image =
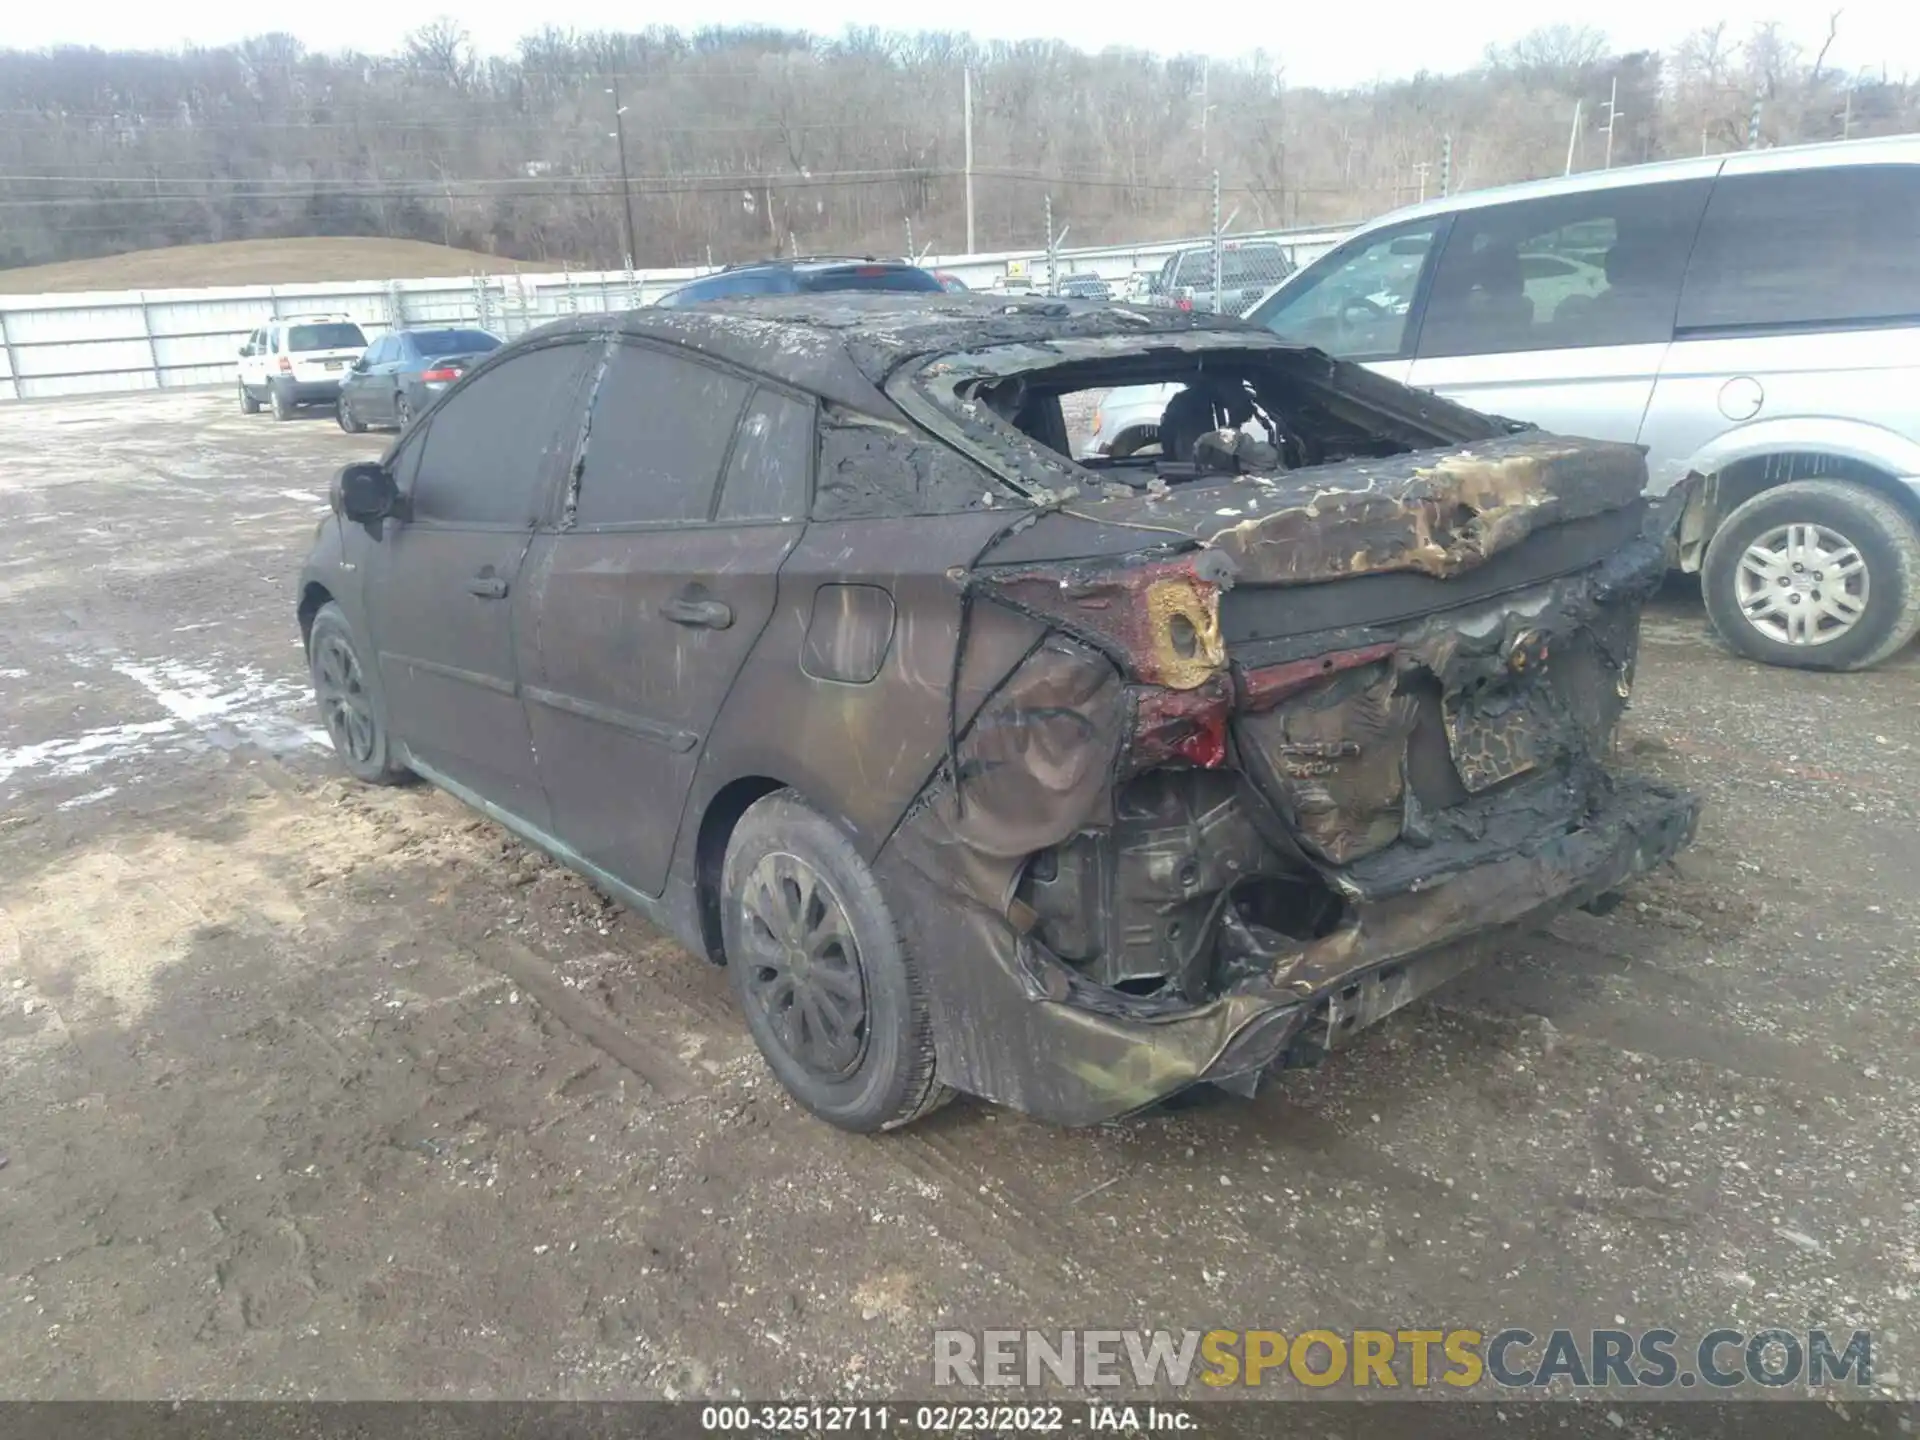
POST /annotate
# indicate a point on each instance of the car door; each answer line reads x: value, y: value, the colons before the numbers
x: 253, y: 364
x: 1361, y: 301
x: 1801, y: 306
x: 357, y: 387
x: 648, y: 595
x: 1510, y: 328
x: 443, y: 581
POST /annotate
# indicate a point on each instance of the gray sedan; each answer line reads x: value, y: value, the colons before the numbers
x: 401, y: 373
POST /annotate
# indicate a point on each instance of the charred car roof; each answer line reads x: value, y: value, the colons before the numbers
x: 842, y: 346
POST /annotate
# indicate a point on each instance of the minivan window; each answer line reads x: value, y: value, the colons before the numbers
x: 491, y: 442
x: 656, y: 438
x: 338, y: 336
x: 1355, y: 303
x: 1599, y: 267
x: 1807, y: 247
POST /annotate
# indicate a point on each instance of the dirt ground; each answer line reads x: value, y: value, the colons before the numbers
x: 309, y: 1089
x: 257, y: 262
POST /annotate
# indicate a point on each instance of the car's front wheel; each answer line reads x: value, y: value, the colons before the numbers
x: 349, y: 422
x: 1816, y: 575
x: 350, y: 704
x: 248, y: 405
x: 832, y: 996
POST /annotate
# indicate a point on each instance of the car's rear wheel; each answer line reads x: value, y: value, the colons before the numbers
x: 282, y: 402
x: 248, y: 405
x: 833, y: 997
x: 350, y: 704
x: 1815, y: 575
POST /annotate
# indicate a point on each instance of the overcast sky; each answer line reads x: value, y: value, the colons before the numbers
x: 1327, y: 44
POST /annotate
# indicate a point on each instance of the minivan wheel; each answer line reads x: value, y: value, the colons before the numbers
x: 248, y: 405
x: 350, y: 706
x: 832, y: 996
x: 1816, y: 575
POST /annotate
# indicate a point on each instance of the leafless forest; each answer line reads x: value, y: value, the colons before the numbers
x: 743, y: 142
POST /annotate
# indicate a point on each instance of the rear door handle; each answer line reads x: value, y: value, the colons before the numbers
x: 707, y: 614
x: 488, y: 586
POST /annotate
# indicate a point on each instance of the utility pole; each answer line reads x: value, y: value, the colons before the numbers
x: 620, y: 139
x: 1206, y: 73
x: 1613, y: 117
x: 1573, y: 138
x: 1053, y: 285
x: 1420, y: 168
x: 1846, y: 118
x: 966, y: 120
x: 1753, y: 126
x: 909, y: 239
x: 1446, y: 165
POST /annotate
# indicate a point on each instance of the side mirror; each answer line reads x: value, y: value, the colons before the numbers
x: 364, y: 492
x: 359, y: 367
x: 245, y: 350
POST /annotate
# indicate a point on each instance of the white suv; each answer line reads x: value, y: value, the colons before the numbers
x: 1752, y: 318
x: 297, y: 360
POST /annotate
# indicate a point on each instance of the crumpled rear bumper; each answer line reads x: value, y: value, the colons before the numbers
x: 1016, y: 1025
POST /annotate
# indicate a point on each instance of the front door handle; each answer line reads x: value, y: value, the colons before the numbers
x: 707, y: 614
x: 488, y: 586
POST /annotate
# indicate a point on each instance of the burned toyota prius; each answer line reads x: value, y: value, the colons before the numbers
x: 791, y: 623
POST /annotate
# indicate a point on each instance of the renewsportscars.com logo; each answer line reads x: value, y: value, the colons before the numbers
x: 1416, y: 1359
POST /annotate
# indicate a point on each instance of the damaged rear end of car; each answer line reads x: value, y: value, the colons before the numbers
x: 1326, y: 687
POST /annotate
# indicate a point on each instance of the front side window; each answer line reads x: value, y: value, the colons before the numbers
x: 1601, y: 267
x: 1807, y: 247
x: 495, y: 440
x: 656, y: 438
x: 1355, y: 302
x: 331, y: 336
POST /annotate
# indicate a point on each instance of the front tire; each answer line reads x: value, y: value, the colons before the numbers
x: 282, y: 403
x: 248, y: 405
x: 350, y: 703
x: 832, y: 996
x: 349, y: 422
x: 1815, y: 575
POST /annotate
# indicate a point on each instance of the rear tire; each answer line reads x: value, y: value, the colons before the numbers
x: 1815, y: 575
x: 283, y: 406
x: 248, y: 405
x: 351, y: 705
x: 834, y: 999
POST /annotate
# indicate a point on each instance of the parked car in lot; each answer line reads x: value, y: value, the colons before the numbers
x: 804, y: 277
x: 297, y: 360
x: 1085, y: 286
x: 1753, y: 318
x: 952, y: 284
x: 1248, y: 270
x: 792, y: 625
x: 401, y: 373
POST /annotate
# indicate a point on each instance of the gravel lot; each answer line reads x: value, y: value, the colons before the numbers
x: 311, y: 1089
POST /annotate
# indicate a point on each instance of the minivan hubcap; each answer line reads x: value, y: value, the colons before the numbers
x: 802, y: 965
x: 1802, y: 584
x: 344, y: 703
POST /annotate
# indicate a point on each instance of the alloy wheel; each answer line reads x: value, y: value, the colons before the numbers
x: 345, y: 706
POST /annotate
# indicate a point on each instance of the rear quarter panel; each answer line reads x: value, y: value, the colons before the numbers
x: 861, y: 752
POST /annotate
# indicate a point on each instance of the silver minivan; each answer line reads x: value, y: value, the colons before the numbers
x: 1754, y: 318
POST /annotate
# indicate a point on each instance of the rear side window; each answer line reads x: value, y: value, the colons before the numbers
x: 1807, y: 247
x: 1598, y: 268
x: 493, y: 442
x: 767, y: 473
x: 325, y: 337
x: 656, y: 439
